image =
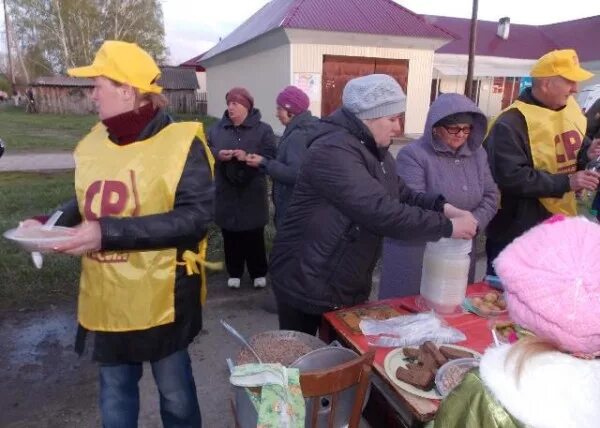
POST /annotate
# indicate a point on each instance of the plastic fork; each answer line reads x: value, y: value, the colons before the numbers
x: 36, y: 256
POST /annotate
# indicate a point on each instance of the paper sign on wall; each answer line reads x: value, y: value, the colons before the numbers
x: 310, y: 83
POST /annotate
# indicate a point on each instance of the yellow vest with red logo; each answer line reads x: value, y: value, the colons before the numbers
x: 555, y: 138
x: 132, y: 290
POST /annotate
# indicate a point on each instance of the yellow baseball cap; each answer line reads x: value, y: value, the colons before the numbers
x: 124, y: 63
x: 562, y: 63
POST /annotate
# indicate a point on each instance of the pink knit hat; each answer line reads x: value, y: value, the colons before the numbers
x: 293, y: 100
x: 551, y: 275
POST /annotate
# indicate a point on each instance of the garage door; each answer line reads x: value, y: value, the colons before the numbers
x: 337, y: 70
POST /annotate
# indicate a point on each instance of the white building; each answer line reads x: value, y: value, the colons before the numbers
x: 318, y: 45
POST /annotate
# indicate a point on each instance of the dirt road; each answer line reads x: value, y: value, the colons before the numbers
x: 44, y: 383
x: 36, y: 161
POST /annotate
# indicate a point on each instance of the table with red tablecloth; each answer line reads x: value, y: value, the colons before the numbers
x: 408, y: 409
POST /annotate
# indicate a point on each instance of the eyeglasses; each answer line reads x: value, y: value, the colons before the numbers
x: 454, y: 130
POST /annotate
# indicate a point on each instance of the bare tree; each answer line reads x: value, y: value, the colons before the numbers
x: 58, y: 34
x: 19, y: 56
x: 62, y: 34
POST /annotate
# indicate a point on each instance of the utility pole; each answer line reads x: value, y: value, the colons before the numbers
x: 469, y: 89
x: 11, y: 75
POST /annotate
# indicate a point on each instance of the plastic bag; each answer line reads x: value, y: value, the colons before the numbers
x: 409, y: 330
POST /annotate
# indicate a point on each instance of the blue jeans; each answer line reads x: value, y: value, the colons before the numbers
x: 120, y: 397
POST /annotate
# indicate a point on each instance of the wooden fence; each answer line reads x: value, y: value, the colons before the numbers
x: 187, y: 101
x: 64, y: 99
x: 77, y: 100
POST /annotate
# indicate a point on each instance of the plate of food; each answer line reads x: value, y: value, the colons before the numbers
x: 452, y: 373
x: 490, y: 304
x: 508, y: 331
x: 414, y: 368
x: 36, y: 238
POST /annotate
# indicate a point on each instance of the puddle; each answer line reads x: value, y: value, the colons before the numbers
x: 28, y: 338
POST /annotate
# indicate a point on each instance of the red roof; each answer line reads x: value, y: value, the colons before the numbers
x: 583, y: 35
x: 352, y: 16
x: 386, y: 17
x: 524, y: 41
x: 194, y: 62
x: 361, y: 16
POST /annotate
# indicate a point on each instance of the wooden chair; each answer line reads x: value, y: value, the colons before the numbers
x: 330, y: 382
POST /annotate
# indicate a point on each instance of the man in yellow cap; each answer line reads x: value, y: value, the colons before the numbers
x: 144, y: 199
x: 537, y: 151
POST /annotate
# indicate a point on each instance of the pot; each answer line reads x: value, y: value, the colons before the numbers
x: 246, y: 414
x: 319, y: 358
x: 270, y: 346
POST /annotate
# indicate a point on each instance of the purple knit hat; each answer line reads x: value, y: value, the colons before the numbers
x: 552, y: 282
x: 293, y: 100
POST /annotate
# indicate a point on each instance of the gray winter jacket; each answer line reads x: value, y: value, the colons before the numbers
x: 241, y: 191
x: 347, y: 197
x: 463, y: 177
x: 290, y: 154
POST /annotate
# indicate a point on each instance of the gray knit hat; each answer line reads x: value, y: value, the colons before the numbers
x: 374, y: 96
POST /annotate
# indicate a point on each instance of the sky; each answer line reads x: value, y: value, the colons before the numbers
x: 194, y: 26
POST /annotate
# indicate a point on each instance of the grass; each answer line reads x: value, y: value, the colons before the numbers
x: 23, y: 195
x: 42, y: 132
x: 208, y: 121
x: 21, y: 284
x: 51, y: 132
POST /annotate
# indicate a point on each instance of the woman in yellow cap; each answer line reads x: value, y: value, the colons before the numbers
x: 144, y: 195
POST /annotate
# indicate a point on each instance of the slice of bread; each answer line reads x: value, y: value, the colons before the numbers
x: 411, y: 353
x: 439, y: 358
x: 427, y: 359
x: 411, y: 366
x: 419, y: 377
x: 453, y: 354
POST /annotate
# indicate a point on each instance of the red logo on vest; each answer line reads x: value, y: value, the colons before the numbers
x: 114, y: 196
x: 570, y: 142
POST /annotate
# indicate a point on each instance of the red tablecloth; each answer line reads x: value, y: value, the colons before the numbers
x: 475, y: 328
